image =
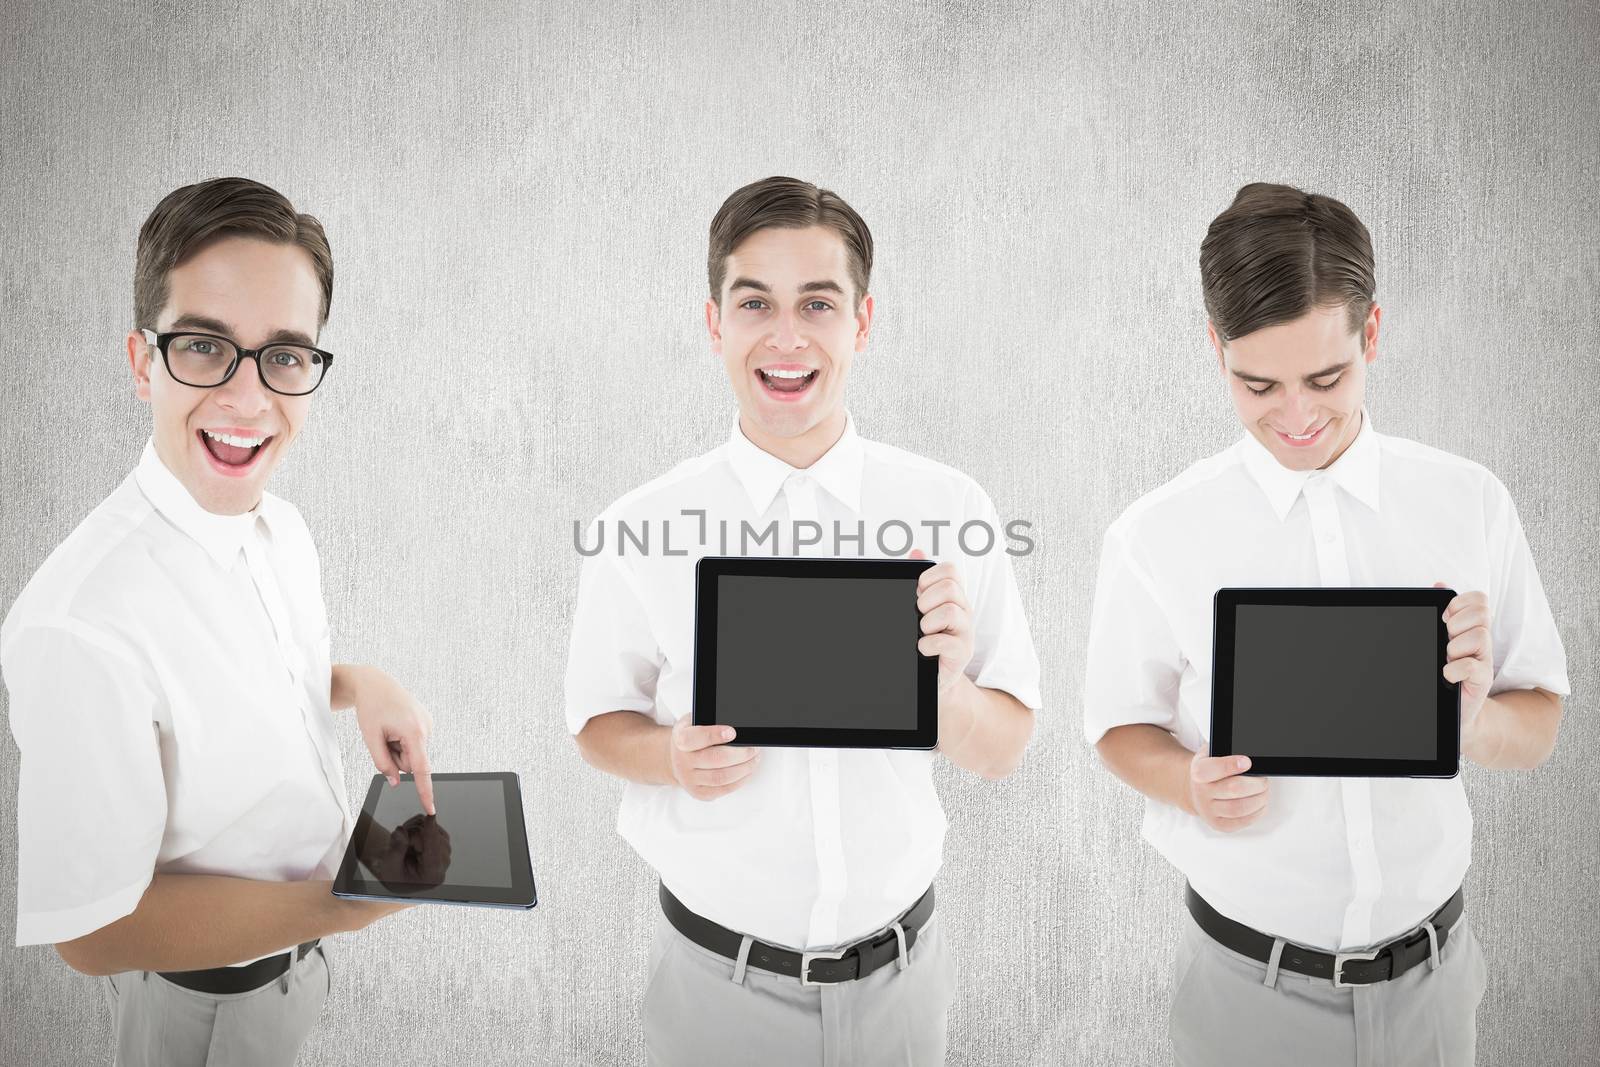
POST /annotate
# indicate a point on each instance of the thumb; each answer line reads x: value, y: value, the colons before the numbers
x: 382, y: 758
x: 917, y: 553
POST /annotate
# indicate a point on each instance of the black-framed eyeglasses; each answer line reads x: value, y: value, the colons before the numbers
x: 205, y: 361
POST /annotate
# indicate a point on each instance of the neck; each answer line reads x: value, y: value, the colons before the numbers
x: 802, y: 451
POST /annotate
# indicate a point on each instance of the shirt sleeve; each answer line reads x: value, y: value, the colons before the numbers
x: 613, y: 659
x: 91, y: 797
x: 1134, y: 661
x: 1527, y: 648
x: 1003, y: 656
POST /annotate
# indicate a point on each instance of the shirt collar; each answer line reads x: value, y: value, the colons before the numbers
x: 222, y: 536
x: 1356, y: 471
x: 762, y: 474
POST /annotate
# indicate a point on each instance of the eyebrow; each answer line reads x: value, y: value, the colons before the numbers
x: 210, y: 325
x: 1323, y: 373
x: 809, y: 287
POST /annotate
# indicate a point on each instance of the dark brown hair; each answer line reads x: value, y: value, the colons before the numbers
x: 1278, y: 252
x: 189, y: 218
x: 786, y: 203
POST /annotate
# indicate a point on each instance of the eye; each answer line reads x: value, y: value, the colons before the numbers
x: 1325, y: 386
x: 819, y: 305
x: 1263, y: 391
x: 201, y: 347
x: 285, y: 357
x: 753, y: 304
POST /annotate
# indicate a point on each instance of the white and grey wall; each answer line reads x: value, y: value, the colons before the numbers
x: 517, y: 196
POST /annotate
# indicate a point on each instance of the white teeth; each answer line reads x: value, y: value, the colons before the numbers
x: 1301, y: 436
x: 789, y: 375
x: 236, y: 442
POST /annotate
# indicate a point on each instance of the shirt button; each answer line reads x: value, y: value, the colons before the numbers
x: 1327, y: 537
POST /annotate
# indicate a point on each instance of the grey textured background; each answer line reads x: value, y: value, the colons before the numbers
x: 517, y: 199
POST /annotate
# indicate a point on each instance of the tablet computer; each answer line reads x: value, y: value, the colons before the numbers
x: 814, y: 652
x: 473, y: 850
x: 1334, y: 681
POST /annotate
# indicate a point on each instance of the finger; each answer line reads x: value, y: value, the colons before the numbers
x: 713, y: 792
x: 421, y: 770
x: 1216, y: 768
x: 382, y: 758
x: 1239, y: 807
x: 1473, y: 642
x: 722, y: 756
x: 715, y: 776
x: 1239, y: 785
x: 1459, y: 670
x: 1228, y: 826
x: 1463, y: 601
x: 945, y: 590
x: 938, y: 644
x: 934, y: 574
x: 1466, y: 619
x: 916, y: 553
x: 950, y: 618
x: 694, y: 738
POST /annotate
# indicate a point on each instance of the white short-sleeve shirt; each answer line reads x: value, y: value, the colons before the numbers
x: 1333, y: 863
x: 169, y: 674
x: 819, y: 846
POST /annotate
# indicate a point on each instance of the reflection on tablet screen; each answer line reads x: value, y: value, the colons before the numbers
x: 408, y: 850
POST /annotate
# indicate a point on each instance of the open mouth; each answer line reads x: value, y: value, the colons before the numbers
x: 232, y: 454
x: 786, y: 382
x: 1301, y: 440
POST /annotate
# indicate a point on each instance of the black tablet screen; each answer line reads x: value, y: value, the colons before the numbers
x: 827, y: 653
x: 1336, y: 681
x: 469, y: 828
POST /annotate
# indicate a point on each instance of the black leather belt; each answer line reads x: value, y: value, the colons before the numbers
x: 812, y: 968
x: 220, y: 981
x: 1387, y: 961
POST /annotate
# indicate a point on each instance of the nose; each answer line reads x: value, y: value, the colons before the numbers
x: 244, y: 394
x: 1299, y: 411
x: 785, y: 337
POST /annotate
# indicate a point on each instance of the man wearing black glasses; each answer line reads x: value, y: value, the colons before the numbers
x: 181, y: 803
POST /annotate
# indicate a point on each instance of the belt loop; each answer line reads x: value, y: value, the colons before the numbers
x: 903, y: 960
x: 1433, y: 945
x: 144, y: 976
x: 744, y: 958
x: 1271, y: 981
x: 288, y: 973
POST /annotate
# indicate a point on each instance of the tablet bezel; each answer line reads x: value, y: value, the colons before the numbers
x: 1447, y: 707
x: 710, y: 568
x: 521, y: 895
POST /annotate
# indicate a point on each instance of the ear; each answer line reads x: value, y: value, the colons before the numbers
x: 1369, y: 334
x: 1216, y: 343
x: 863, y: 322
x: 714, y: 325
x: 139, y: 363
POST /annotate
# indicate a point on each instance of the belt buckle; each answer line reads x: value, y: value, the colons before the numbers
x: 805, y: 964
x: 1338, y: 967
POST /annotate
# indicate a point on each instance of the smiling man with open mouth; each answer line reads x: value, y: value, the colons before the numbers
x: 818, y: 862
x: 181, y: 803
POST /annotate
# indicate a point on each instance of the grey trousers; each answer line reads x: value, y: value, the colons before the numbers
x: 696, y: 1014
x: 1224, y: 1013
x: 159, y: 1024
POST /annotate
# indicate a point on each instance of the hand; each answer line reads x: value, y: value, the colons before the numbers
x: 946, y: 621
x: 703, y: 762
x: 1221, y: 795
x: 1469, y: 657
x: 395, y: 728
